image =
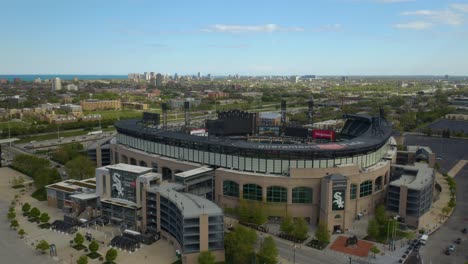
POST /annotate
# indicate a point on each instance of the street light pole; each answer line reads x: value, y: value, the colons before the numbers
x: 294, y: 258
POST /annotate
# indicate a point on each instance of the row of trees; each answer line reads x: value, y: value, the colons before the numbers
x: 239, y: 248
x: 38, y: 168
x: 297, y: 228
x: 67, y: 152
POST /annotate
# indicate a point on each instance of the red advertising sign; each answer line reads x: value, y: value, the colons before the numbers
x: 324, y: 134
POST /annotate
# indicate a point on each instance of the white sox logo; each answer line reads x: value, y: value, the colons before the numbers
x: 338, y: 200
x: 117, y: 184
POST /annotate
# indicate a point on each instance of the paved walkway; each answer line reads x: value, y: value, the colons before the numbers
x: 457, y: 168
x: 161, y: 252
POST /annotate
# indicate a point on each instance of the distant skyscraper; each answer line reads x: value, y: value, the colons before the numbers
x: 159, y: 80
x: 199, y: 75
x: 56, y: 84
x: 176, y: 76
x: 209, y: 76
x: 446, y: 77
x: 344, y: 78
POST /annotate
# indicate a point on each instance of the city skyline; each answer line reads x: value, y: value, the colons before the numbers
x: 340, y: 37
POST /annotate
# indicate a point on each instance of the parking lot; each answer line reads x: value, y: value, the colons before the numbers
x: 453, y: 125
x: 433, y: 252
x: 450, y: 150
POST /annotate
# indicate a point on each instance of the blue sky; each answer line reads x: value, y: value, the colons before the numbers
x: 256, y: 37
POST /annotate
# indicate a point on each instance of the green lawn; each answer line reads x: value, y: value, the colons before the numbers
x: 52, y: 136
x: 120, y: 114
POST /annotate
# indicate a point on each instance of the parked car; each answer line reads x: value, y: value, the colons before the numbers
x: 451, y: 247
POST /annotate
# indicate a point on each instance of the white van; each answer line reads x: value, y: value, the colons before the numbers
x: 423, y: 239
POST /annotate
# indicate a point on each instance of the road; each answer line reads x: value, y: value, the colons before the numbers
x: 14, y: 250
x: 433, y: 252
x: 304, y: 254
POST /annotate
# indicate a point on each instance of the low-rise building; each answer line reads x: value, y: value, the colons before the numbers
x: 72, y: 109
x: 134, y: 105
x: 413, y: 154
x: 93, y: 104
x: 410, y: 192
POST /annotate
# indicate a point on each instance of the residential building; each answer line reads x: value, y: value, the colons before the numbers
x: 93, y: 104
x: 56, y: 84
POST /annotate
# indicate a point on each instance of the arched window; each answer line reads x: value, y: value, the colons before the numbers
x: 166, y: 173
x: 231, y: 188
x: 365, y: 189
x: 277, y: 194
x: 143, y: 164
x: 302, y: 195
x: 252, y: 192
x: 133, y: 161
x: 353, y: 191
x: 155, y: 166
x: 378, y: 183
x: 124, y: 159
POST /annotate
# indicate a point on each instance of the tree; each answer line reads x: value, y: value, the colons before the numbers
x: 375, y: 250
x: 206, y: 257
x: 300, y: 229
x: 80, y: 168
x: 322, y: 234
x: 373, y: 228
x: 446, y: 210
x: 26, y: 207
x: 11, y: 215
x: 239, y: 245
x: 287, y: 225
x: 111, y: 255
x: 268, y: 251
x: 43, y: 246
x: 35, y: 213
x: 21, y: 233
x: 14, y: 224
x: 259, y: 215
x: 381, y: 215
x: 79, y: 239
x: 93, y: 246
x: 44, y: 217
x: 82, y: 260
x: 452, y: 203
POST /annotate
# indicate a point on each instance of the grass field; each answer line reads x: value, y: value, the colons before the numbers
x: 52, y: 136
x: 120, y: 114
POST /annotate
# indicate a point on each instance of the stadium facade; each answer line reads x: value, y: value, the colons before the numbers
x: 322, y: 181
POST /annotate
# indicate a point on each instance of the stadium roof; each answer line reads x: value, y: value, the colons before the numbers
x: 376, y: 134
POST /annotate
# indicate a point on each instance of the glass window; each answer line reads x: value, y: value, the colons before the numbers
x: 365, y: 189
x: 252, y: 192
x: 276, y: 194
x: 231, y: 188
x: 302, y: 195
x: 352, y: 193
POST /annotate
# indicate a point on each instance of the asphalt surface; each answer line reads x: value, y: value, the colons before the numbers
x: 433, y: 251
x: 13, y: 249
x: 453, y: 125
x: 450, y: 150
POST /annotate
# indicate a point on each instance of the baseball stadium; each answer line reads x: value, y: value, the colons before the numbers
x: 331, y: 176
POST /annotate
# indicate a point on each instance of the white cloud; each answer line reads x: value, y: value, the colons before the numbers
x: 266, y: 28
x: 329, y: 28
x: 460, y: 7
x: 416, y: 25
x: 447, y: 17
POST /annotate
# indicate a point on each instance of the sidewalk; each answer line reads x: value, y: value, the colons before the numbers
x: 161, y: 252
